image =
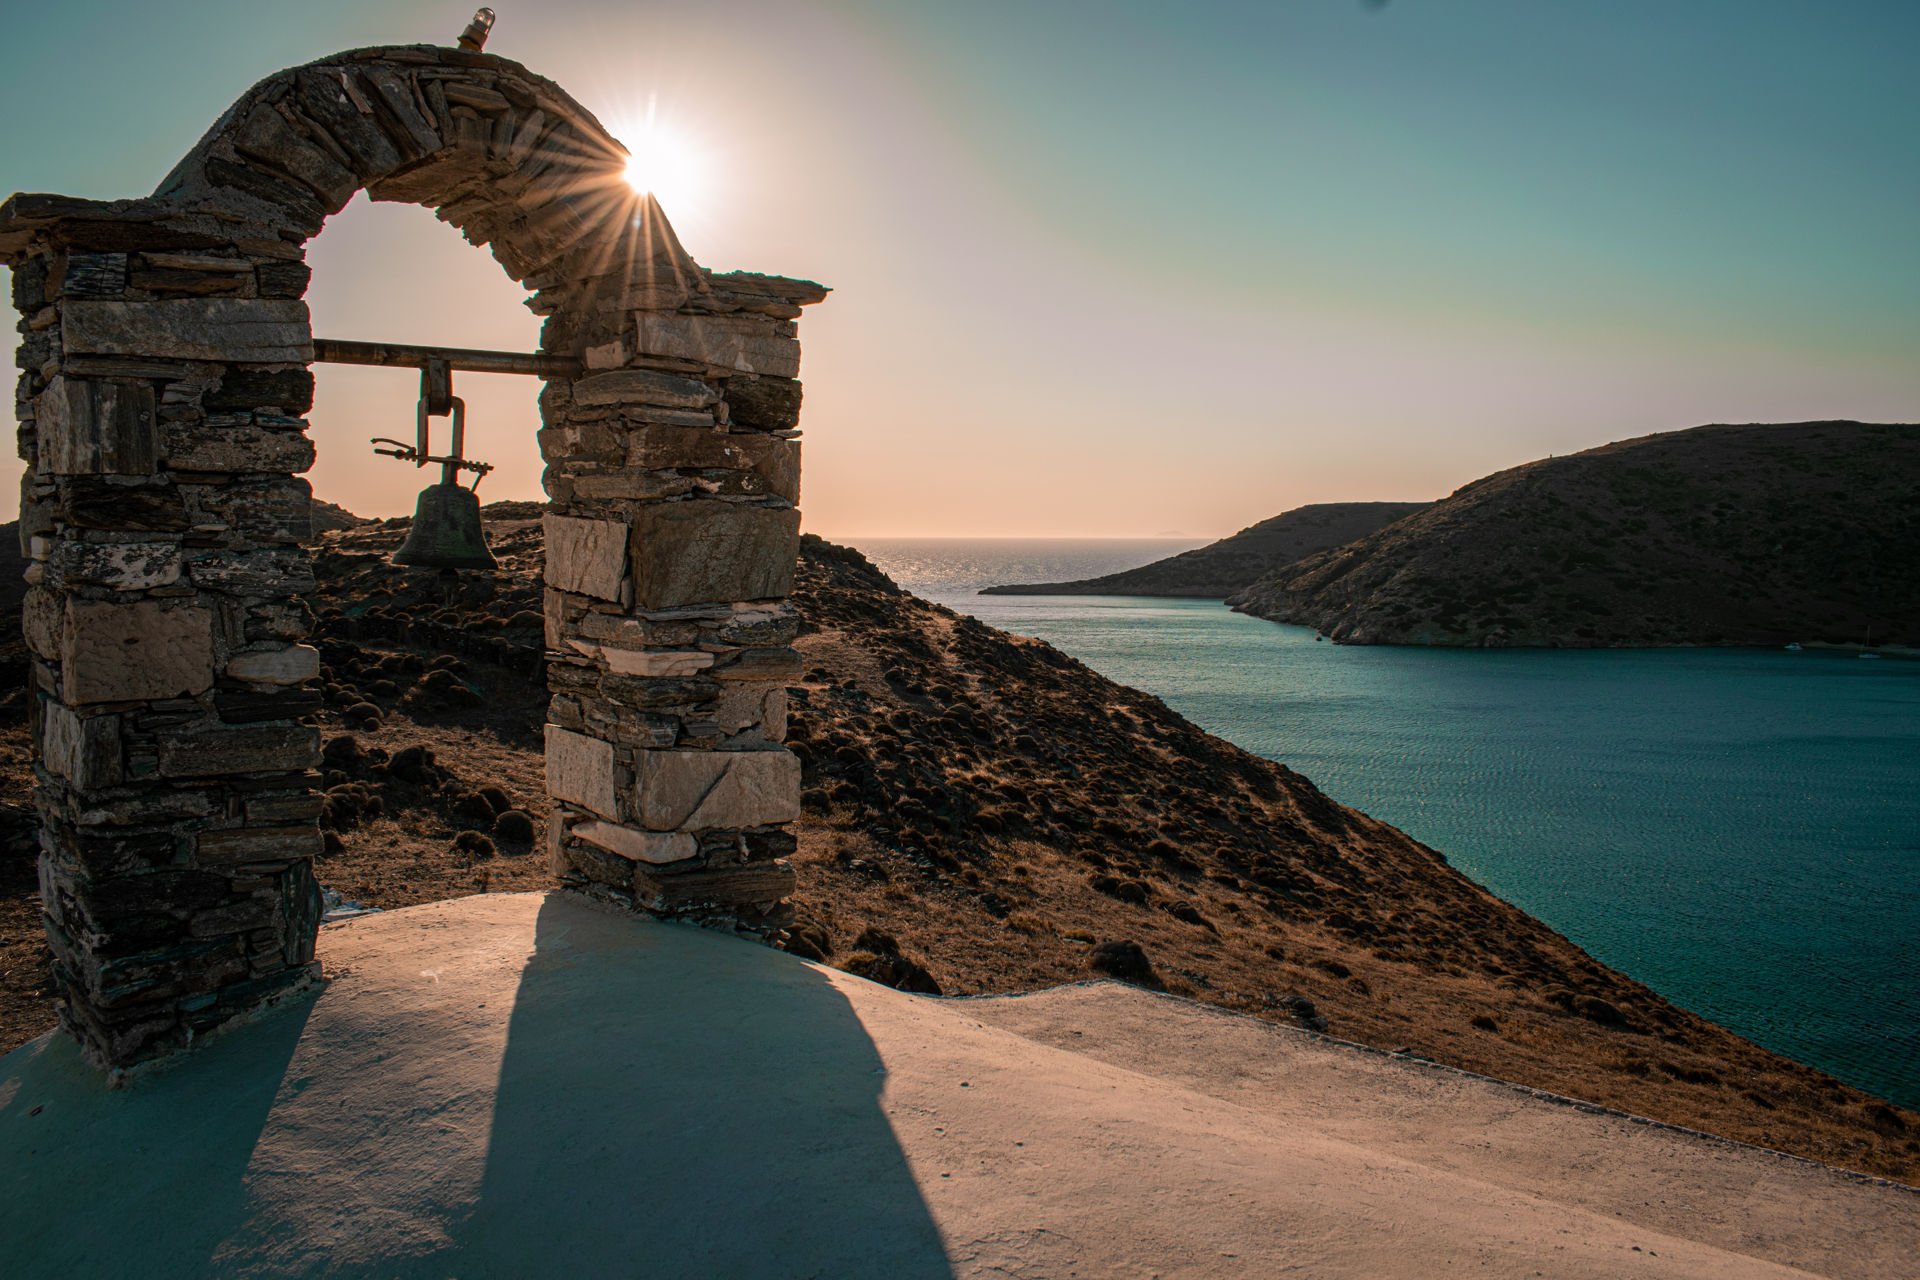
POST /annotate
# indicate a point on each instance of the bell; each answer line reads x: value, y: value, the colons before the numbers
x: 446, y: 531
x: 446, y: 520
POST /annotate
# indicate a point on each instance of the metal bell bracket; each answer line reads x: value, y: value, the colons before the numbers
x: 437, y: 400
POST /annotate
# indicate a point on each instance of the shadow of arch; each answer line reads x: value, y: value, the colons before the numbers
x: 676, y: 1103
x: 151, y: 1178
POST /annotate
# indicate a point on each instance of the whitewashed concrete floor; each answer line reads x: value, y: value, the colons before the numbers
x: 525, y: 1085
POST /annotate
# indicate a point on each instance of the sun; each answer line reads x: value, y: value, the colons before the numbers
x: 667, y: 165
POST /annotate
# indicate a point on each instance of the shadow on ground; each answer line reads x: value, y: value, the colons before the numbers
x: 706, y: 1108
x: 660, y: 1101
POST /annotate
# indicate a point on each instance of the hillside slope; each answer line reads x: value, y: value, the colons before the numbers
x: 984, y: 814
x: 1219, y: 569
x: 1736, y: 535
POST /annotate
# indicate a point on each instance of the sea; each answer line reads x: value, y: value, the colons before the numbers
x: 1738, y: 829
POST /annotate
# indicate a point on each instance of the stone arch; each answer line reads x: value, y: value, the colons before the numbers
x: 164, y: 385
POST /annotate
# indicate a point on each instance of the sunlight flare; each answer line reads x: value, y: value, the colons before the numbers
x: 666, y: 163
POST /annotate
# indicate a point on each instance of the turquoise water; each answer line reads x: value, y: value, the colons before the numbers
x: 1739, y: 830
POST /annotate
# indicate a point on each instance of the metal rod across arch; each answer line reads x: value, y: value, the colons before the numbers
x: 400, y: 355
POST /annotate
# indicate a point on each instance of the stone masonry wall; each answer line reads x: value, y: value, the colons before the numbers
x: 674, y: 475
x: 164, y: 383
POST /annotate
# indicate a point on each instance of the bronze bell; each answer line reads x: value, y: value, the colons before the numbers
x: 446, y: 531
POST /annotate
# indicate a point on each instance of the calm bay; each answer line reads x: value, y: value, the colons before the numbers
x: 1738, y: 829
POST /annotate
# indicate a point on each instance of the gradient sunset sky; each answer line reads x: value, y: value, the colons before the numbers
x: 1132, y: 268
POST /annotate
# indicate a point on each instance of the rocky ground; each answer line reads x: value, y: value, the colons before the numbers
x: 986, y: 814
x: 1722, y: 535
x: 1219, y: 569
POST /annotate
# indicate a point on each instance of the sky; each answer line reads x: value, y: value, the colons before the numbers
x: 1130, y: 268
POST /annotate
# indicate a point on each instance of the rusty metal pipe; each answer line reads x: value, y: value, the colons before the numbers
x: 398, y: 355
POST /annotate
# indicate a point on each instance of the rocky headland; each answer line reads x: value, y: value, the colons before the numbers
x: 1722, y: 535
x: 984, y: 814
x: 1219, y: 569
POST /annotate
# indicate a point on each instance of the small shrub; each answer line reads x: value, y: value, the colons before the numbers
x: 514, y: 826
x: 1125, y: 960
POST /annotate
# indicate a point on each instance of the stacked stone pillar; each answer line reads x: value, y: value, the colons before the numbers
x: 674, y: 474
x: 162, y: 514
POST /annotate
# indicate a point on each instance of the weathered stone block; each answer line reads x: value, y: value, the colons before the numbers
x: 38, y: 511
x: 226, y: 330
x: 652, y: 662
x: 588, y: 557
x: 250, y: 706
x: 325, y: 101
x: 773, y: 462
x: 243, y: 916
x: 760, y: 625
x: 275, y: 664
x: 637, y: 633
x: 266, y: 135
x: 644, y: 386
x: 628, y: 486
x: 282, y: 620
x: 85, y: 750
x: 276, y: 809
x: 704, y: 552
x: 287, y: 572
x: 124, y: 566
x: 676, y: 694
x: 747, y: 343
x: 580, y: 771
x: 764, y: 404
x: 280, y: 390
x: 198, y: 447
x: 774, y: 663
x: 554, y: 614
x: 638, y: 846
x: 258, y: 844
x: 91, y: 426
x: 582, y: 442
x: 142, y: 650
x: 42, y: 616
x: 266, y: 748
x: 94, y: 275
x: 697, y: 790
x: 743, y: 707
x: 98, y: 502
x: 283, y: 279
x: 268, y: 509
x: 757, y: 885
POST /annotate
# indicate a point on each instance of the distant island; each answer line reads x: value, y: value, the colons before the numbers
x: 1220, y: 569
x: 1720, y: 535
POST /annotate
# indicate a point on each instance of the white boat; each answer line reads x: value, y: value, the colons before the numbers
x: 1793, y: 647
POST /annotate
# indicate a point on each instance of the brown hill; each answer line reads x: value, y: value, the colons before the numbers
x: 1219, y: 569
x: 1722, y: 535
x: 986, y: 814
